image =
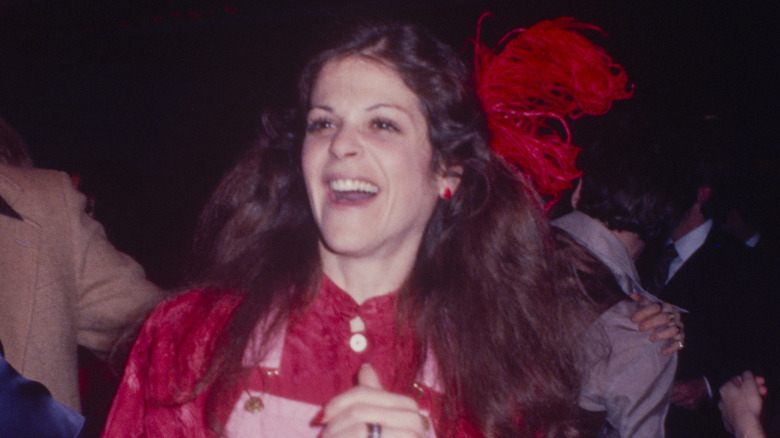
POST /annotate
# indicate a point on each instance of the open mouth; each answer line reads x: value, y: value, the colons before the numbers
x: 352, y: 190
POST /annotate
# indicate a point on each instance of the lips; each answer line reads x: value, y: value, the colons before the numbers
x: 352, y: 191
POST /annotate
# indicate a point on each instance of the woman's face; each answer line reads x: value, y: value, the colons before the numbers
x: 367, y: 161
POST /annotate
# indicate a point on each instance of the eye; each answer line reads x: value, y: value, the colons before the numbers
x: 319, y: 124
x: 385, y: 125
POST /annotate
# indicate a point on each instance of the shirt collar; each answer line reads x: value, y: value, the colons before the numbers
x: 753, y: 241
x: 600, y: 241
x: 689, y: 243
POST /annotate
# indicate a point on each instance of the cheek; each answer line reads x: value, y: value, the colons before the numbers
x: 308, y: 161
x: 311, y: 172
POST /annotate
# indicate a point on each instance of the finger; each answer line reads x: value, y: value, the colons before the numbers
x: 394, y: 422
x: 668, y: 308
x: 670, y: 332
x: 368, y: 377
x: 362, y: 395
x: 655, y: 321
x: 360, y: 430
x: 761, y: 386
x: 646, y: 311
x: 672, y: 348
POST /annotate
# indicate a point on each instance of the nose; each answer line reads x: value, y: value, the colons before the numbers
x: 346, y: 143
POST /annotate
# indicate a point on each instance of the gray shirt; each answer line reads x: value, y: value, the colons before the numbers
x: 627, y: 375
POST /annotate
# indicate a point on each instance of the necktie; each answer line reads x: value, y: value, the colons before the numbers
x: 661, y: 271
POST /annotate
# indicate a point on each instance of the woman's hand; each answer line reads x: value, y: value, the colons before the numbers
x: 350, y: 413
x: 663, y: 319
x: 741, y: 400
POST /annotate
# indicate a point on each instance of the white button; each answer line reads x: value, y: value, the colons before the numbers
x: 358, y: 343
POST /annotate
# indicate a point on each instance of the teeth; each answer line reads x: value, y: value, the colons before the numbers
x: 352, y: 185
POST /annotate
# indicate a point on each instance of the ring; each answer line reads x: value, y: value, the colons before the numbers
x: 671, y: 316
x: 374, y: 430
x: 680, y: 344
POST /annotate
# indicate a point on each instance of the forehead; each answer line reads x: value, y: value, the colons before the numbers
x: 363, y: 79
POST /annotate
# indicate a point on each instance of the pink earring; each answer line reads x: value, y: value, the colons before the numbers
x: 447, y: 194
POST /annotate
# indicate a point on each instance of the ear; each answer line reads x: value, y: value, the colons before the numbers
x: 703, y: 194
x: 575, y: 195
x: 449, y: 180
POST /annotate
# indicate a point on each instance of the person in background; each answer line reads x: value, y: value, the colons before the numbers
x: 62, y: 283
x: 623, y: 200
x: 707, y: 271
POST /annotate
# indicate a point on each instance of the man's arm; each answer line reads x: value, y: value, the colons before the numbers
x: 112, y: 292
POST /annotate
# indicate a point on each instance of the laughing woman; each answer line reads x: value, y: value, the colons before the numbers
x: 369, y: 268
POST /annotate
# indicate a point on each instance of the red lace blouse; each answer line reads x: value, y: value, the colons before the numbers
x: 317, y: 358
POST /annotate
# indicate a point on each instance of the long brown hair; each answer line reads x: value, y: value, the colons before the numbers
x: 483, y: 296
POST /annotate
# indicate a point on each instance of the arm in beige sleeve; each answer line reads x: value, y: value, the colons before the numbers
x: 112, y: 292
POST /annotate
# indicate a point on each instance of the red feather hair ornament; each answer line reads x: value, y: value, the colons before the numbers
x: 531, y: 82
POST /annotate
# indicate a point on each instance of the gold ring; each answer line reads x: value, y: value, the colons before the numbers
x: 671, y: 316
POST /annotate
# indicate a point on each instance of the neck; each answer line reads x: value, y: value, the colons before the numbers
x: 692, y: 220
x: 632, y: 242
x: 366, y: 277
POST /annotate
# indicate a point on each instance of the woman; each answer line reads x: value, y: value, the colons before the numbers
x: 371, y: 269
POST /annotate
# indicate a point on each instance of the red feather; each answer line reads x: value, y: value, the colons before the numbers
x: 531, y: 82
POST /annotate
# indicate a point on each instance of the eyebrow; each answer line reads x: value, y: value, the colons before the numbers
x: 386, y: 105
x: 370, y: 108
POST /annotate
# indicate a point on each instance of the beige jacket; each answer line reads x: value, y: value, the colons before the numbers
x: 62, y: 284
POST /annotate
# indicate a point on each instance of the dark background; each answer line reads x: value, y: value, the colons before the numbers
x: 151, y: 100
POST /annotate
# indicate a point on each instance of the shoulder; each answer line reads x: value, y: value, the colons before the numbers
x: 621, y: 357
x: 34, y: 179
x: 191, y: 309
x: 39, y: 194
x: 176, y: 341
x: 624, y: 337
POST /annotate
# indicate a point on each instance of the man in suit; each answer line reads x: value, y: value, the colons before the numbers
x: 62, y: 284
x: 706, y: 271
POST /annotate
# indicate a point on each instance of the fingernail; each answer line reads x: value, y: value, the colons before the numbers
x: 317, y: 420
x: 426, y: 422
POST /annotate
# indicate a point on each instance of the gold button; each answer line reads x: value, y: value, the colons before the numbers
x: 358, y: 343
x: 253, y: 404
